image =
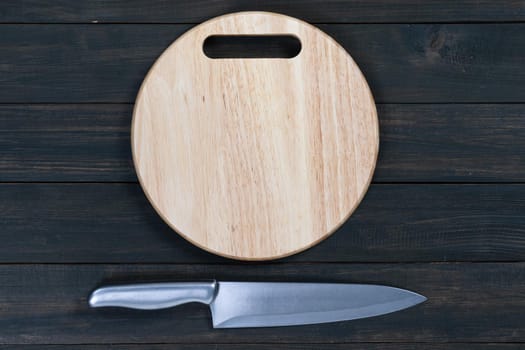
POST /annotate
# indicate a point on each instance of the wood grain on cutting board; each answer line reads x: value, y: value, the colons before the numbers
x: 255, y: 158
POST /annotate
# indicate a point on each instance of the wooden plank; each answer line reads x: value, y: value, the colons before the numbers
x: 187, y: 11
x: 422, y: 63
x: 65, y: 143
x: 52, y: 223
x: 419, y: 143
x: 47, y: 304
x: 358, y: 346
x: 451, y: 143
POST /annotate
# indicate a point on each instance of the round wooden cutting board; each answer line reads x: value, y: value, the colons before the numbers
x: 255, y: 158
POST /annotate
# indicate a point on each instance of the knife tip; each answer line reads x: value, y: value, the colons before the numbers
x: 420, y: 299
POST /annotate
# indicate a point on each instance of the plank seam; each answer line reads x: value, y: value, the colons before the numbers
x: 94, y: 22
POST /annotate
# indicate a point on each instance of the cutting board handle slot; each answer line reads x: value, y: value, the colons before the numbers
x: 252, y: 46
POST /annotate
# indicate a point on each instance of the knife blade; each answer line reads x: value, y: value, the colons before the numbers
x: 263, y: 304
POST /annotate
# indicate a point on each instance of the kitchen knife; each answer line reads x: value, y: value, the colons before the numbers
x: 262, y: 304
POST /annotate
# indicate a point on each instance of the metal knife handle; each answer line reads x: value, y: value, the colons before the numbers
x: 151, y: 296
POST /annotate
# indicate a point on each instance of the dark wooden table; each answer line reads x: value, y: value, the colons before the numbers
x: 445, y: 215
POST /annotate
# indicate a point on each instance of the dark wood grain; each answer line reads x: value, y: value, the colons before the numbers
x: 480, y: 302
x: 65, y: 143
x: 44, y: 223
x: 188, y: 11
x: 419, y: 143
x: 273, y: 346
x: 451, y: 143
x: 66, y: 91
x: 423, y: 63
